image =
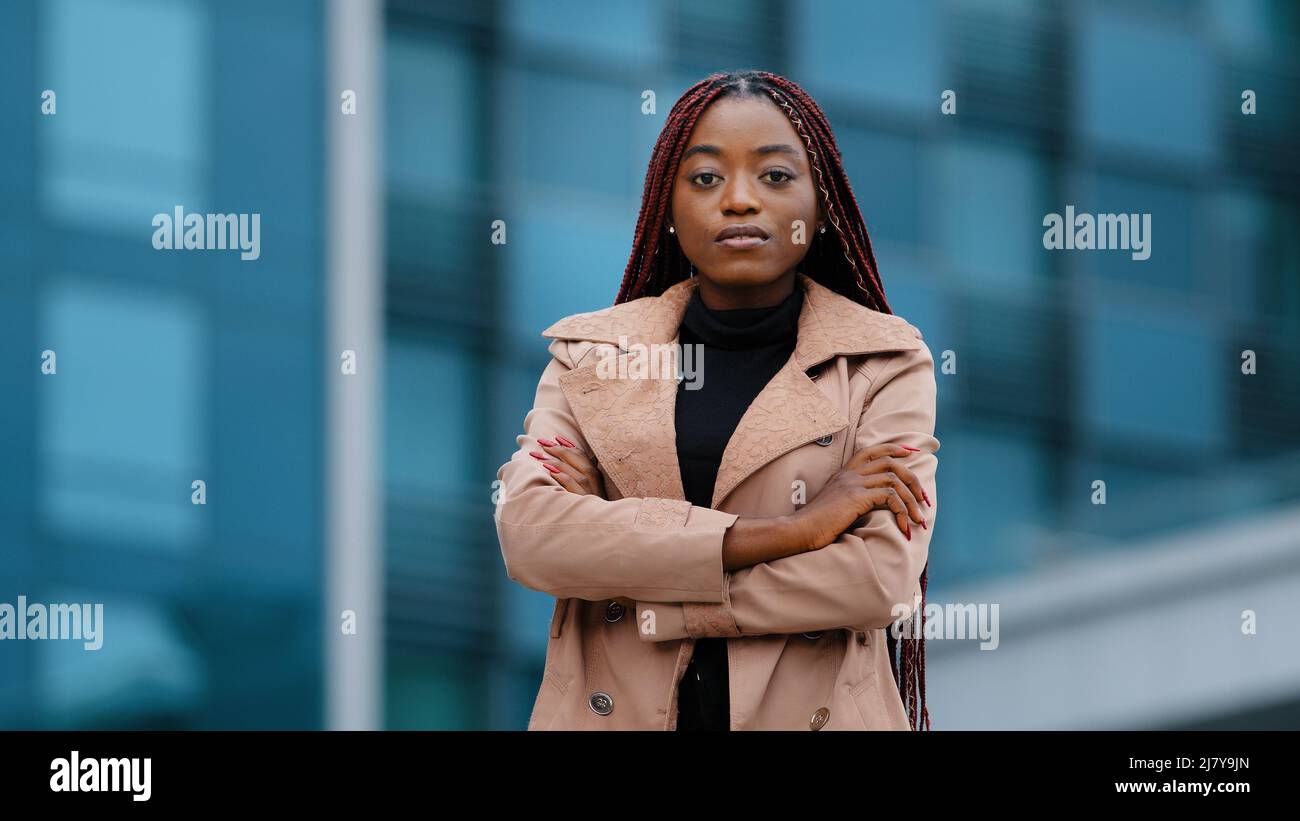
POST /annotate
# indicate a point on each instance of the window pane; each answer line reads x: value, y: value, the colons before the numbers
x: 130, y: 137
x: 571, y: 133
x: 992, y: 200
x: 565, y: 260
x: 885, y: 52
x: 429, y: 133
x: 886, y: 175
x: 429, y: 401
x: 995, y: 538
x: 623, y: 31
x: 1150, y: 378
x: 1146, y: 87
x: 1174, y: 241
x: 123, y: 418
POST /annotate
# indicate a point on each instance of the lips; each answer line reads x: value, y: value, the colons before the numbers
x: 746, y: 229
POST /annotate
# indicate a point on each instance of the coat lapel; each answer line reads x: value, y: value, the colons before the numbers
x: 629, y: 422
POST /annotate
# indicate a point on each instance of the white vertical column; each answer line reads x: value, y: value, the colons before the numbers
x: 354, y: 664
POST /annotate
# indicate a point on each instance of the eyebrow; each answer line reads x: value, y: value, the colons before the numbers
x: 774, y: 148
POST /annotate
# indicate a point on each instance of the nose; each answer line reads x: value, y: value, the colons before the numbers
x: 739, y: 197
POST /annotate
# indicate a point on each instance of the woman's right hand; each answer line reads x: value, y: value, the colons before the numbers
x: 871, y: 479
x: 573, y: 469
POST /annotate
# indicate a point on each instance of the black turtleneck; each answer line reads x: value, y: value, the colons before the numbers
x: 743, y: 348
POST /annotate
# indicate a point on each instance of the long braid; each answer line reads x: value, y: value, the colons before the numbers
x: 656, y: 264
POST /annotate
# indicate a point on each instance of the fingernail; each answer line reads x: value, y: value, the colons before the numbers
x: 537, y: 455
x: 547, y: 442
x: 909, y: 533
x: 909, y: 447
x: 923, y: 525
x: 927, y: 497
x: 565, y: 442
x: 550, y: 467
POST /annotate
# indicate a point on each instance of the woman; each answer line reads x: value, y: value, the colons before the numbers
x: 727, y: 551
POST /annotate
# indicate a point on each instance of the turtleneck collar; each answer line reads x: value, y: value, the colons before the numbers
x: 738, y: 328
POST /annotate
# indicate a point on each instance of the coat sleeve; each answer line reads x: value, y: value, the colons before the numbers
x: 865, y: 579
x: 586, y: 547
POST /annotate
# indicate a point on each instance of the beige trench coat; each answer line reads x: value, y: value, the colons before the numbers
x: 806, y: 634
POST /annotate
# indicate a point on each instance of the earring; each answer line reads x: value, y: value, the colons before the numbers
x: 672, y: 230
x: 692, y: 269
x: 823, y: 229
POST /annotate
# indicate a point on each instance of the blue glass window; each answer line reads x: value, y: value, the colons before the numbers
x: 886, y: 53
x: 130, y: 136
x: 990, y: 209
x: 1146, y: 87
x: 1148, y: 376
x: 123, y: 420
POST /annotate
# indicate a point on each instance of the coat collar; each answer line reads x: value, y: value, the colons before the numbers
x: 629, y: 423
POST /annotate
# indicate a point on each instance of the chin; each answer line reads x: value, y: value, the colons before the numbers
x: 748, y: 274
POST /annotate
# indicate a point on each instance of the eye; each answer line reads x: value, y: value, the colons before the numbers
x: 696, y: 177
x: 784, y: 174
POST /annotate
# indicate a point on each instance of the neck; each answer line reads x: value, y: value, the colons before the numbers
x: 724, y: 297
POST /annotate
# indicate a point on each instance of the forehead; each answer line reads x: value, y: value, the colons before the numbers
x: 739, y: 125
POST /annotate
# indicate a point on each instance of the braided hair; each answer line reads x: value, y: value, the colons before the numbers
x: 841, y: 260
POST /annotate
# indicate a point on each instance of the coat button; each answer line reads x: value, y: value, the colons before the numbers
x: 826, y: 440
x: 613, y: 612
x: 819, y: 718
x: 601, y: 703
x: 813, y: 636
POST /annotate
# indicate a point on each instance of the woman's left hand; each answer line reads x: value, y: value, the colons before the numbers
x: 574, y: 470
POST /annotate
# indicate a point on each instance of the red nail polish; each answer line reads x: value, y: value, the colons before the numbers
x: 537, y: 455
x: 927, y: 497
x: 550, y: 467
x: 923, y: 525
x: 565, y: 442
x: 546, y: 442
x: 909, y: 534
x: 909, y: 447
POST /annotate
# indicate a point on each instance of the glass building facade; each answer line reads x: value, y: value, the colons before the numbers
x: 1059, y: 368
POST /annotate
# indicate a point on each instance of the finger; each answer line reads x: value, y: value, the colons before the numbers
x: 874, y: 452
x: 886, y: 497
x: 566, y: 449
x: 905, y: 495
x: 584, y: 472
x: 893, y: 469
x: 903, y: 472
x: 563, y: 477
x: 903, y: 525
x: 573, y: 456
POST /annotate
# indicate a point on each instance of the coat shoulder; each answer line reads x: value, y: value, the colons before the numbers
x: 852, y: 327
x: 604, y: 325
x: 888, y: 324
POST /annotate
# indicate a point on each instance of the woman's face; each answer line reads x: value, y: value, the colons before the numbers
x: 744, y: 165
